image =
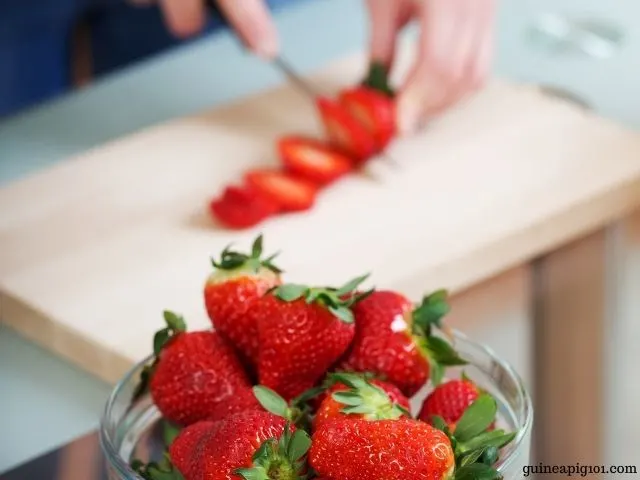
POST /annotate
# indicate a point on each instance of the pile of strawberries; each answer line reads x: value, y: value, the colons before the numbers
x: 301, y: 382
x: 359, y: 124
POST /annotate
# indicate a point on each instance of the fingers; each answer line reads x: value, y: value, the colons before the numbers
x: 252, y: 22
x: 454, y: 57
x: 386, y: 19
x: 183, y: 17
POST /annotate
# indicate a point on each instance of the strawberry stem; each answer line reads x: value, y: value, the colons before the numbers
x: 232, y: 260
x: 337, y: 300
x: 162, y: 470
x: 378, y: 79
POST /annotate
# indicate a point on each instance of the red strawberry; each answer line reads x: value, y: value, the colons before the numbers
x: 391, y: 449
x: 450, y: 400
x: 344, y: 131
x: 241, y: 207
x: 249, y: 445
x: 357, y: 396
x: 237, y: 281
x: 195, y: 375
x: 373, y: 109
x: 313, y: 160
x: 289, y: 192
x: 395, y: 341
x: 302, y: 332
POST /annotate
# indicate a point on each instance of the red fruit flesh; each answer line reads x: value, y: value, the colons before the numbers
x: 449, y: 401
x: 198, y: 377
x: 298, y: 343
x: 383, y: 344
x: 290, y: 193
x: 313, y: 160
x: 345, y: 131
x: 331, y: 409
x: 241, y: 207
x: 375, y: 110
x: 228, y: 445
x: 390, y: 449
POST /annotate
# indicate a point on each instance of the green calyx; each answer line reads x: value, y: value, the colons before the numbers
x: 365, y: 398
x: 378, y: 79
x: 253, y: 262
x: 162, y: 470
x: 426, y: 318
x: 298, y: 411
x: 337, y: 300
x: 280, y: 459
x: 476, y: 449
x: 175, y: 325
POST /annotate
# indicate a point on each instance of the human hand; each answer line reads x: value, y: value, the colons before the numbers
x: 250, y: 19
x: 454, y: 53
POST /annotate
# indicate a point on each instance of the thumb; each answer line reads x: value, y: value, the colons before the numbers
x: 252, y: 22
x: 385, y: 17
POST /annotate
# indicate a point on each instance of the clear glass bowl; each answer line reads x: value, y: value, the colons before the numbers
x: 130, y: 430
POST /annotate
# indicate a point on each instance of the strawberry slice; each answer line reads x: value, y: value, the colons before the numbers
x: 345, y: 131
x: 373, y: 109
x: 241, y: 207
x: 289, y: 192
x: 313, y: 160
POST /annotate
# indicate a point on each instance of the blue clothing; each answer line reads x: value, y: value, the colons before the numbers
x: 35, y: 43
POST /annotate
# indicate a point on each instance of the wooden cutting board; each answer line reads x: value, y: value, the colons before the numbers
x: 93, y: 249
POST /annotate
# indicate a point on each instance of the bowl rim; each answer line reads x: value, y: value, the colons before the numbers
x: 123, y: 467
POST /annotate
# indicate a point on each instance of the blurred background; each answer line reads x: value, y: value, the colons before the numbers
x: 77, y: 73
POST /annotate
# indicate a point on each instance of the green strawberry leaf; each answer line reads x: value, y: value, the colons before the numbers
x: 307, y: 396
x: 256, y: 248
x: 378, y: 79
x: 231, y: 260
x: 169, y: 432
x: 174, y: 321
x: 298, y: 445
x: 347, y: 397
x: 438, y: 422
x: 495, y: 438
x: 271, y: 401
x: 343, y: 313
x: 290, y: 292
x: 442, y: 352
x: 351, y: 285
x: 476, y: 418
x: 470, y: 457
x: 252, y: 473
x: 477, y: 471
x: 436, y: 373
x: 160, y: 339
x: 490, y: 455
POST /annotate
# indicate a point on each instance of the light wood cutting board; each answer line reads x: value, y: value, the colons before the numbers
x: 93, y: 249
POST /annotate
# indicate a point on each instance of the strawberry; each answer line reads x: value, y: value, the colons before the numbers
x: 395, y: 341
x: 249, y: 445
x: 237, y: 281
x: 313, y: 160
x: 356, y: 395
x: 374, y: 110
x: 302, y: 332
x: 195, y: 375
x: 289, y: 192
x: 358, y: 449
x: 241, y: 207
x: 449, y: 400
x: 344, y: 131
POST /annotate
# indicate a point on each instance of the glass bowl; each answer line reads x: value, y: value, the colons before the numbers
x: 133, y: 430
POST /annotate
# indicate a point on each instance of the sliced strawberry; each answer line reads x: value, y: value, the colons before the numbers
x: 313, y: 160
x: 241, y: 207
x: 288, y: 191
x: 373, y: 109
x: 345, y: 131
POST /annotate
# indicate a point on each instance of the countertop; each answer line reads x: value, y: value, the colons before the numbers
x: 212, y: 71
